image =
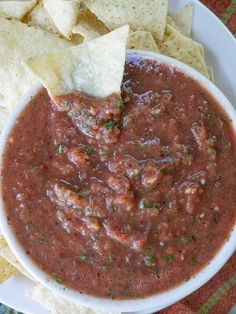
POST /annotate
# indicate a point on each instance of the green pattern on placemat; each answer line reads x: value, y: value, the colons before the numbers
x: 217, y: 296
x: 231, y: 9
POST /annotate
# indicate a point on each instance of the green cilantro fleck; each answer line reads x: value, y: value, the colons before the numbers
x: 150, y: 261
x: 193, y: 260
x: 84, y: 195
x: 185, y: 239
x: 209, y: 118
x: 89, y: 150
x: 109, y: 292
x: 163, y: 170
x: 59, y: 149
x: 58, y: 280
x: 228, y: 237
x: 110, y: 258
x: 109, y: 124
x: 106, y: 152
x: 137, y: 173
x: 120, y: 104
x: 83, y: 258
x: 169, y: 258
x: 149, y: 204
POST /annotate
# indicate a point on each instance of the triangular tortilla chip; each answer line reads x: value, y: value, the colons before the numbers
x: 58, y: 305
x: 16, y: 9
x: 182, y: 48
x: 3, y: 242
x: 6, y: 270
x: 210, y: 71
x: 7, y: 254
x: 39, y: 16
x: 142, y: 40
x: 17, y: 43
x: 149, y: 15
x: 95, y: 67
x: 182, y: 20
x: 89, y: 26
x: 64, y: 14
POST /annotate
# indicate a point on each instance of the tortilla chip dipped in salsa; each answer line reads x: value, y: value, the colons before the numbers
x: 74, y: 76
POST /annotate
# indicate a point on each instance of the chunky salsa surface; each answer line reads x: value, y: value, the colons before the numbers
x: 123, y: 199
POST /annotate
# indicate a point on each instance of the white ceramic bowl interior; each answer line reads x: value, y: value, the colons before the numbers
x: 157, y: 301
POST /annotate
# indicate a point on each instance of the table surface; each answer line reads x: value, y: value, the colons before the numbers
x: 221, y: 290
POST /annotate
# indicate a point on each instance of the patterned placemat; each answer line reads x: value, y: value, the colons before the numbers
x: 219, y: 295
x: 225, y: 10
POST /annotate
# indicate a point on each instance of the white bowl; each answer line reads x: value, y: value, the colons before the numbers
x: 157, y: 301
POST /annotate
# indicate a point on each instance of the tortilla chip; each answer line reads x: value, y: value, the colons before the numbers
x: 201, y: 50
x: 3, y: 242
x: 149, y: 15
x: 89, y: 26
x: 210, y: 71
x: 95, y: 67
x: 16, y: 9
x: 182, y: 48
x: 58, y: 305
x: 7, y: 254
x: 86, y: 30
x: 64, y: 14
x: 3, y: 119
x: 182, y: 20
x: 39, y: 17
x: 142, y: 40
x: 6, y: 270
x: 18, y: 42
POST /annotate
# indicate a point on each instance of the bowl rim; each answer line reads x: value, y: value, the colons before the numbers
x: 159, y: 300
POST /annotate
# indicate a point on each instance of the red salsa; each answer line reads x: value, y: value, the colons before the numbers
x: 123, y: 198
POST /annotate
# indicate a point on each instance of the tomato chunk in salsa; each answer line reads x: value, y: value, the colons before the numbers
x: 123, y: 198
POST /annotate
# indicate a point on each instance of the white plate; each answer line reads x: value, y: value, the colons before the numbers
x: 220, y: 49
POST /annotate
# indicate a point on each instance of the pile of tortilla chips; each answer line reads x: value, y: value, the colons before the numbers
x: 32, y: 32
